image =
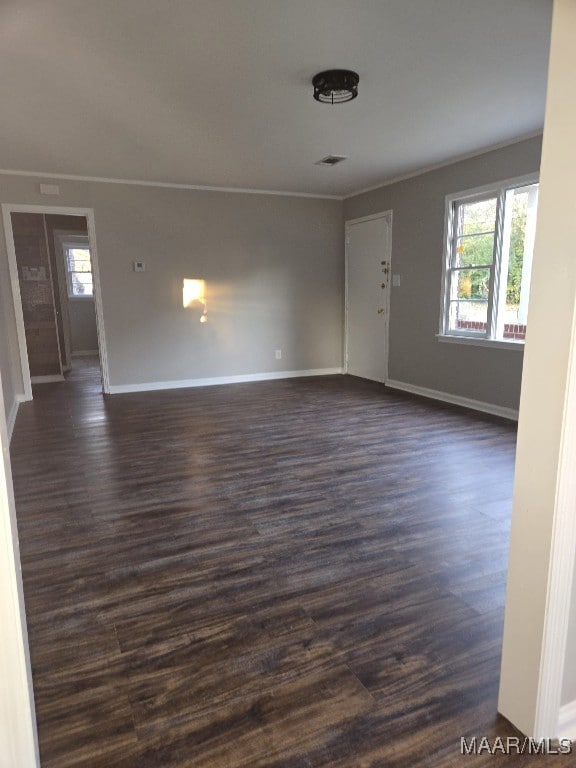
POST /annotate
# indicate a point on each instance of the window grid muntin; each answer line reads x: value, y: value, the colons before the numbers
x: 491, y: 323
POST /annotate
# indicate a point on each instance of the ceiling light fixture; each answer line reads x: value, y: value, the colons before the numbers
x: 335, y: 86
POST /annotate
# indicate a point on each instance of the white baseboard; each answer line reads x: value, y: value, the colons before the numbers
x: 11, y: 420
x: 446, y: 397
x: 46, y: 379
x: 116, y: 389
x: 85, y: 353
x: 567, y: 721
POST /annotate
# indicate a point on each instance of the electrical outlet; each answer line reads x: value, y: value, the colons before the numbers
x: 396, y: 281
x: 278, y: 354
x: 139, y: 266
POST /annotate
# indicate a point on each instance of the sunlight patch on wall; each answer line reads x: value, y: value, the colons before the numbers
x: 194, y: 296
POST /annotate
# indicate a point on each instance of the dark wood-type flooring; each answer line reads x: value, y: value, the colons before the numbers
x: 291, y: 574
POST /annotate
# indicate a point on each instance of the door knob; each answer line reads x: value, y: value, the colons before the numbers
x: 381, y: 310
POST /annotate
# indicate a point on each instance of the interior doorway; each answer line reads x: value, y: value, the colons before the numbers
x: 368, y: 275
x: 56, y: 291
x: 75, y: 283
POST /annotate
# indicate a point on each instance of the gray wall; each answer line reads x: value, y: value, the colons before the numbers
x: 83, y: 334
x: 274, y: 272
x: 273, y: 267
x: 418, y: 205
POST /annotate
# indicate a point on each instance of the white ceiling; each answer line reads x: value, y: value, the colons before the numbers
x: 218, y: 92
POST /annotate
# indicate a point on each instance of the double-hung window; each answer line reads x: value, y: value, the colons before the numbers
x: 78, y: 270
x: 488, y: 262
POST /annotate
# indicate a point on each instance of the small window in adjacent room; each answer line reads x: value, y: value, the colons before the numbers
x: 488, y: 262
x: 78, y: 271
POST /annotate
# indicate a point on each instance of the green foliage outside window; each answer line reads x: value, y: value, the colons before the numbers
x: 475, y: 247
x: 517, y: 249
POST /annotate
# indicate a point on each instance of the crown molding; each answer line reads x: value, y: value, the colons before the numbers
x: 274, y: 192
x: 162, y: 184
x: 444, y: 164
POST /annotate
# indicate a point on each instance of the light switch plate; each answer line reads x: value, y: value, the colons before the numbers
x: 396, y: 281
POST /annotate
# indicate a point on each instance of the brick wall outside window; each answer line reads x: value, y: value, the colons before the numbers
x: 511, y: 330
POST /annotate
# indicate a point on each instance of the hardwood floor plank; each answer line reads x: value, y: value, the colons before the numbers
x: 288, y: 574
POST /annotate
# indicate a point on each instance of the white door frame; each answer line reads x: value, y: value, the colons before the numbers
x: 18, y: 728
x: 88, y: 213
x: 388, y: 258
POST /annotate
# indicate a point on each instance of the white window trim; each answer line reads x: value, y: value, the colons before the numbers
x: 515, y: 344
x: 482, y: 339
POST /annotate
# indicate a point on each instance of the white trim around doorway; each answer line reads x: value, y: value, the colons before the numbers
x: 88, y: 213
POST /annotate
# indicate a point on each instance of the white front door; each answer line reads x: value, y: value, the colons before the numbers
x: 368, y: 251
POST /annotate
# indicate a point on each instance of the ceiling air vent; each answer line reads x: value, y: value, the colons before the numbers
x: 331, y: 160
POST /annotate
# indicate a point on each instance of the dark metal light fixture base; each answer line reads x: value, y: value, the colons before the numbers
x: 335, y: 86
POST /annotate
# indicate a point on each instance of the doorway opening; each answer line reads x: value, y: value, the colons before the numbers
x: 56, y: 292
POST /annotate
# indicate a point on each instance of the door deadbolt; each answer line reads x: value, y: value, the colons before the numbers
x: 381, y: 311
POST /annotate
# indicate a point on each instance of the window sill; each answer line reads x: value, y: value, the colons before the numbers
x: 517, y: 346
x: 81, y: 298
